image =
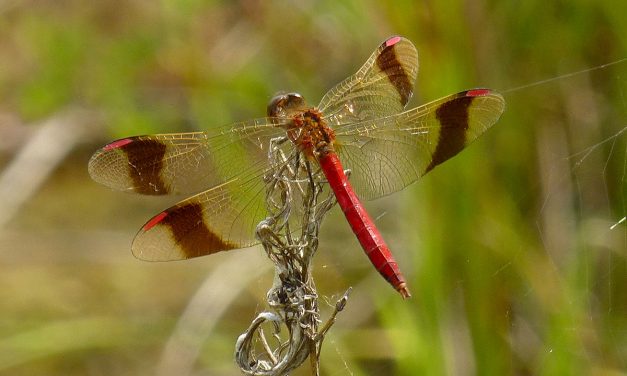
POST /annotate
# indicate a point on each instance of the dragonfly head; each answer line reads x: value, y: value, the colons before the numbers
x: 286, y: 105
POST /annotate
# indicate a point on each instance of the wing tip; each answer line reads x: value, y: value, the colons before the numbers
x: 154, y: 221
x: 481, y: 92
x: 392, y: 40
x: 99, y: 157
x: 484, y: 93
x: 117, y: 144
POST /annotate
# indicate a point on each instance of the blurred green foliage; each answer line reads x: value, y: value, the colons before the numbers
x: 509, y: 249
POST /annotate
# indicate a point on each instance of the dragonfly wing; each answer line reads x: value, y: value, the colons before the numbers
x: 219, y: 219
x: 385, y: 155
x: 184, y: 162
x: 381, y: 87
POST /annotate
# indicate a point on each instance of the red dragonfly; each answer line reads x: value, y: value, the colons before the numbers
x: 359, y: 125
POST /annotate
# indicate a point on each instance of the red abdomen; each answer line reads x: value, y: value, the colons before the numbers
x: 364, y: 228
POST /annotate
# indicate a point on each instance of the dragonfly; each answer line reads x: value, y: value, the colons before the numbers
x: 360, y: 125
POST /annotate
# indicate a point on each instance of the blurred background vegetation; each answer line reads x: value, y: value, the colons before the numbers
x: 513, y: 250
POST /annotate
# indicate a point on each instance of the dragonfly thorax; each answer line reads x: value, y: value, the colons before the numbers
x: 310, y: 132
x: 306, y: 127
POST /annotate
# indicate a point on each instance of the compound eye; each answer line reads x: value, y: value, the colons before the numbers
x: 282, y: 103
x: 275, y: 107
x: 294, y: 100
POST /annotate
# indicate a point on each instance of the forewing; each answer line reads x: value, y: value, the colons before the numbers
x: 385, y: 155
x: 184, y: 162
x: 381, y: 87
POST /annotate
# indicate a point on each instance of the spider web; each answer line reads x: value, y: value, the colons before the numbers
x: 580, y: 245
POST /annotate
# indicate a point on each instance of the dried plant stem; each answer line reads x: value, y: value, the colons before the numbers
x: 289, y: 236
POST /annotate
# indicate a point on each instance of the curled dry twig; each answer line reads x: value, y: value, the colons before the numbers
x: 289, y: 235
